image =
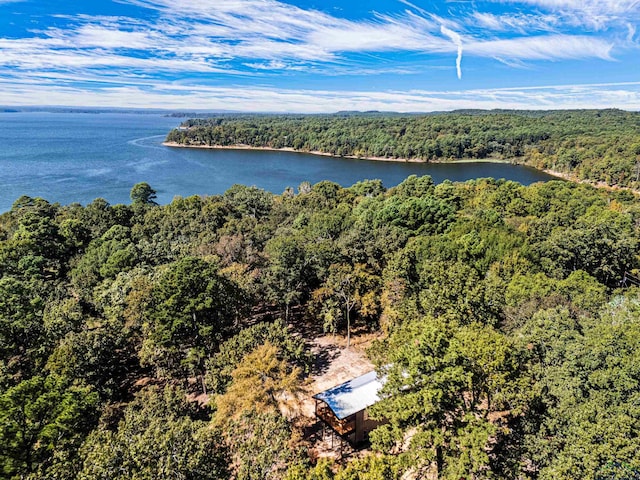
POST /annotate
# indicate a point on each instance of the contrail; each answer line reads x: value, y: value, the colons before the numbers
x: 457, y: 39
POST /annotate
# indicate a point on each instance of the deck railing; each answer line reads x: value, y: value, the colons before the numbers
x: 341, y: 427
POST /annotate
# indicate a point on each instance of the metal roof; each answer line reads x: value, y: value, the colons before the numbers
x: 352, y: 396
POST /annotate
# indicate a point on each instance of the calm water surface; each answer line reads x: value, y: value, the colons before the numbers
x: 76, y: 157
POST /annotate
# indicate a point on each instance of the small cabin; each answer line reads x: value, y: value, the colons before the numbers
x: 343, y: 408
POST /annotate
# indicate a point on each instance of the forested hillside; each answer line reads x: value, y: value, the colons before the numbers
x: 593, y: 145
x: 159, y: 342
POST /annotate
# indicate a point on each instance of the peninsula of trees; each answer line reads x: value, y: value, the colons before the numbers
x: 599, y: 146
x: 161, y: 342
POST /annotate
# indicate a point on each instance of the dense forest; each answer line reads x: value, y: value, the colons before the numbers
x: 162, y: 342
x: 593, y: 145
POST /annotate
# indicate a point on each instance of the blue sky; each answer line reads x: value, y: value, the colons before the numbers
x: 321, y: 55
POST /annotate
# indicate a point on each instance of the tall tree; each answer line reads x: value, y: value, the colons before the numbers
x: 351, y: 289
x: 289, y: 270
x: 143, y: 194
x: 443, y: 382
x: 192, y: 309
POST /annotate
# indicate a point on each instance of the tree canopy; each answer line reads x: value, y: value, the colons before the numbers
x: 172, y: 341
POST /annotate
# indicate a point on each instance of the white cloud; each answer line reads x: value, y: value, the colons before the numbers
x: 544, y: 47
x: 225, y: 38
x: 519, y: 22
x: 597, y: 14
x: 457, y: 39
x: 612, y: 6
x: 371, y: 37
x: 180, y: 96
x: 206, y: 36
x: 110, y: 36
x: 71, y: 60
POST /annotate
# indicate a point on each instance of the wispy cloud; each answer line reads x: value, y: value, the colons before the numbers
x: 544, y: 47
x: 518, y: 22
x: 223, y: 41
x: 229, y: 36
x: 457, y: 40
x: 605, y: 7
x: 597, y: 14
x: 186, y: 96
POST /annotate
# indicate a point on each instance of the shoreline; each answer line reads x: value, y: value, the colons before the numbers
x: 572, y: 178
x: 564, y: 176
x: 325, y: 154
x: 554, y: 173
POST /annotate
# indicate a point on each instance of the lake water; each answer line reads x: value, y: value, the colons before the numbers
x: 77, y: 157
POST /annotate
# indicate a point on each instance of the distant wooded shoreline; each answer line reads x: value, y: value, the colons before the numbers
x: 326, y: 154
x: 599, y: 147
x: 553, y: 173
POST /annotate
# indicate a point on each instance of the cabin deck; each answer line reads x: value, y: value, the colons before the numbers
x: 342, y: 427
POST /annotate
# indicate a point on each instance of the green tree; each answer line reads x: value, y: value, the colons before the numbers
x: 102, y: 354
x: 456, y: 291
x: 601, y: 243
x: 289, y: 270
x: 261, y: 444
x: 443, y: 384
x: 191, y: 310
x: 40, y: 419
x: 259, y: 438
x: 156, y: 439
x: 251, y: 201
x: 322, y: 471
x: 348, y: 289
x: 290, y: 348
x: 143, y: 194
x: 371, y: 467
x: 23, y: 343
x: 586, y: 391
x: 114, y: 252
